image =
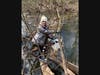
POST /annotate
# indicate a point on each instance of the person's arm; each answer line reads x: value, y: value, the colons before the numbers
x: 44, y: 31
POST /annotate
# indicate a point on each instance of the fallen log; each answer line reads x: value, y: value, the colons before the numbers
x: 70, y: 66
x: 45, y: 69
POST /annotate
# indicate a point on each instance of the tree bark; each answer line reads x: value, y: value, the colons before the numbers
x: 45, y: 69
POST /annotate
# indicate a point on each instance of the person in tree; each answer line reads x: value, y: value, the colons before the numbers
x: 42, y: 34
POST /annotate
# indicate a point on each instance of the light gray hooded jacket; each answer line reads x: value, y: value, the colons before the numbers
x: 40, y: 36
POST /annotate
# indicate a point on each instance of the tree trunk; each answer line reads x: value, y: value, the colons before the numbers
x: 45, y: 69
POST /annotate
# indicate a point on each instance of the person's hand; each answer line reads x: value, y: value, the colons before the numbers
x: 57, y: 32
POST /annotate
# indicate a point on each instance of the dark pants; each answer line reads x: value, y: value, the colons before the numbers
x: 41, y: 47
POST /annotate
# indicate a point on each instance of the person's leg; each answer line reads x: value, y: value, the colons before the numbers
x: 41, y: 47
